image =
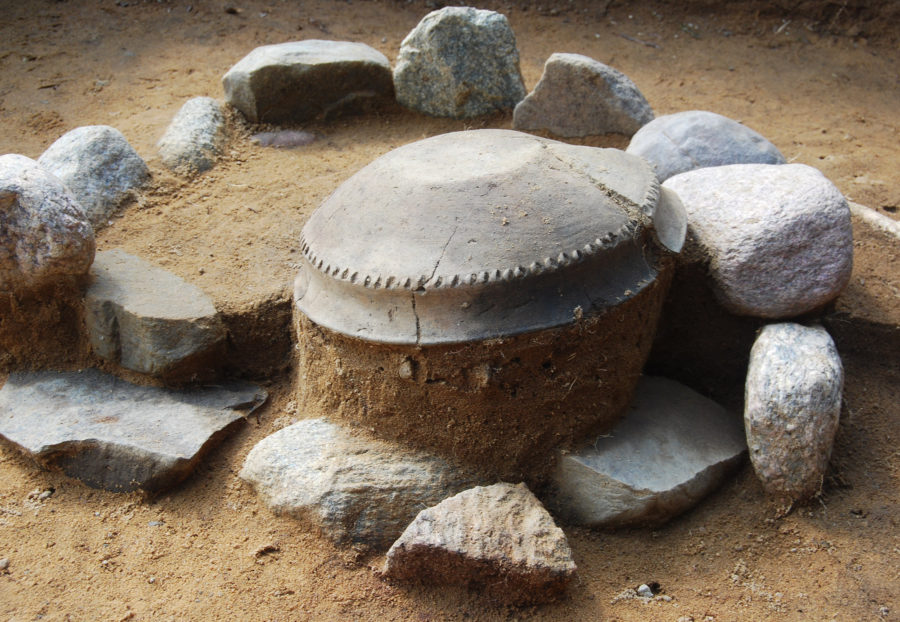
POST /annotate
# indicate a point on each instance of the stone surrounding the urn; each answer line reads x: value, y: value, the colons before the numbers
x: 195, y: 137
x: 99, y: 166
x: 792, y: 407
x: 301, y: 80
x: 149, y: 320
x: 459, y: 62
x: 115, y: 435
x: 355, y: 489
x: 777, y: 238
x: 498, y: 539
x: 670, y: 451
x: 579, y: 96
x: 684, y: 141
x: 45, y: 234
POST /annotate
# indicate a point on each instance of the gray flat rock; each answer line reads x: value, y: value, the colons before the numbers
x: 684, y: 141
x: 115, y: 435
x: 459, y: 62
x: 45, y: 234
x: 579, y: 96
x: 792, y: 407
x: 150, y: 320
x: 355, y: 489
x: 100, y: 168
x: 300, y: 80
x: 777, y: 238
x: 498, y: 538
x: 669, y: 452
x: 195, y: 137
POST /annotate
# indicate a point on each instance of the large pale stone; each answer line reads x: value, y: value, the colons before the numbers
x: 300, y: 80
x: 777, y: 238
x: 669, y: 452
x: 459, y: 62
x: 100, y: 168
x: 684, y: 141
x: 579, y: 96
x: 792, y: 407
x: 498, y: 539
x: 195, y: 137
x: 149, y: 320
x: 355, y: 489
x: 44, y: 233
x: 115, y: 435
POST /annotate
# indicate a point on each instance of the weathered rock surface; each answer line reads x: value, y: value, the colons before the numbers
x: 792, y: 407
x: 195, y: 137
x: 579, y: 96
x: 671, y: 450
x: 497, y: 538
x: 301, y: 80
x: 355, y: 489
x: 99, y: 166
x: 115, y: 435
x: 44, y: 234
x: 777, y: 238
x: 684, y: 141
x: 149, y: 320
x: 459, y: 62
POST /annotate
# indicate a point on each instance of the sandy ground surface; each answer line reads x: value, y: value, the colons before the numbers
x: 209, y: 550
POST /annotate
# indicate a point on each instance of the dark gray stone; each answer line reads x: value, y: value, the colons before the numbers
x: 195, y: 137
x: 579, y: 96
x: 149, y: 320
x: 115, y: 435
x: 669, y: 452
x: 45, y: 234
x: 355, y: 489
x: 459, y: 62
x: 684, y: 141
x: 100, y: 168
x: 300, y: 80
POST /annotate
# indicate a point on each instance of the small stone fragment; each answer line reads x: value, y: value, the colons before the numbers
x: 792, y: 407
x: 98, y: 165
x: 115, y: 435
x: 459, y: 62
x: 284, y: 139
x: 777, y: 238
x: 669, y: 452
x: 300, y: 80
x: 4, y: 564
x: 684, y: 141
x: 498, y: 538
x: 355, y: 489
x: 195, y: 137
x: 579, y: 96
x: 149, y: 320
x: 44, y: 235
x: 644, y: 591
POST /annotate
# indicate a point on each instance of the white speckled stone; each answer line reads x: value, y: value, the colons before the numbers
x: 195, y: 137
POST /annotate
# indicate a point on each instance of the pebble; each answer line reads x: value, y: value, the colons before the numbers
x: 4, y: 564
x: 195, y: 137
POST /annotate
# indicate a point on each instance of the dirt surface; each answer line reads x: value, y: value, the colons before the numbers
x: 822, y: 85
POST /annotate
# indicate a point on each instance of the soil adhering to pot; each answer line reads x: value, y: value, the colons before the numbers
x: 822, y: 85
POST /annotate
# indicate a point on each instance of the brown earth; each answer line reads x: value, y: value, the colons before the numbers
x: 820, y: 79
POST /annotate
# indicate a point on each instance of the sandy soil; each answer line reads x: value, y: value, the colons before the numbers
x: 825, y: 88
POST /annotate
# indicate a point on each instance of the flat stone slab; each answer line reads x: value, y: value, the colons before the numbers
x: 301, y: 80
x: 684, y: 141
x: 195, y: 137
x: 115, y: 435
x: 669, y: 452
x: 498, y: 539
x: 579, y: 96
x: 792, y: 407
x: 777, y: 238
x: 99, y: 166
x: 45, y: 234
x: 355, y: 489
x: 459, y: 62
x: 150, y: 320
